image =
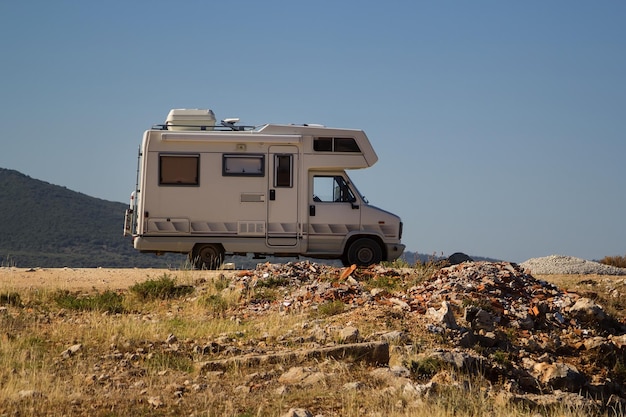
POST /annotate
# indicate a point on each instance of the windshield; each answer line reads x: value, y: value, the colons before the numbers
x: 356, y: 190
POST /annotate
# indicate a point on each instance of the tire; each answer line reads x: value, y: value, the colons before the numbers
x: 209, y: 256
x: 364, y: 252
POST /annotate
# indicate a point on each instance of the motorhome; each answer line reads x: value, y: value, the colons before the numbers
x: 212, y: 189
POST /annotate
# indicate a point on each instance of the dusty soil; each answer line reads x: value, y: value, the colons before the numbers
x: 101, y: 279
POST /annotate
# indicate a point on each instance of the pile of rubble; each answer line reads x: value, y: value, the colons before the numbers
x: 559, y: 264
x: 493, y: 316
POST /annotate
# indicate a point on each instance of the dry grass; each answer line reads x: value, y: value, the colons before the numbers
x: 126, y: 367
x: 618, y: 261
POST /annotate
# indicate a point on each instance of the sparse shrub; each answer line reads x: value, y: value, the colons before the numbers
x: 330, y: 308
x: 264, y: 294
x: 216, y: 304
x: 162, y: 289
x: 221, y: 283
x: 619, y: 370
x: 273, y: 282
x: 502, y: 357
x: 385, y: 281
x: 398, y: 263
x: 107, y: 301
x: 618, y: 261
x: 169, y: 360
x: 11, y: 298
x: 426, y: 367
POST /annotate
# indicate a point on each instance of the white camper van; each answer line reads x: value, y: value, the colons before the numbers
x: 210, y: 189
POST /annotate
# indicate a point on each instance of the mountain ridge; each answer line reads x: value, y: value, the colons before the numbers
x: 47, y: 225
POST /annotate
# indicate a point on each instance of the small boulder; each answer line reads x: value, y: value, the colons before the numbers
x: 459, y: 257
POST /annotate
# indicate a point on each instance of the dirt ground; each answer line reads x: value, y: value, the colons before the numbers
x: 101, y: 279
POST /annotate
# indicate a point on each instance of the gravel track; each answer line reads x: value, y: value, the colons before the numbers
x: 568, y: 265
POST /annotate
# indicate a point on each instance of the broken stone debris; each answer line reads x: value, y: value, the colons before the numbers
x: 543, y: 337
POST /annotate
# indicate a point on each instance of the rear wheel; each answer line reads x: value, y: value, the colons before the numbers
x: 364, y: 252
x: 208, y: 256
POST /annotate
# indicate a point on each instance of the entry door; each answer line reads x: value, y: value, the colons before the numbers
x: 282, y: 205
x: 334, y: 212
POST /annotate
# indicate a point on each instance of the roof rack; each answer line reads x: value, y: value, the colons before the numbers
x: 225, y: 126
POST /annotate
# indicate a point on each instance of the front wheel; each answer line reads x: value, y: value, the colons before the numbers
x: 209, y: 256
x: 364, y: 252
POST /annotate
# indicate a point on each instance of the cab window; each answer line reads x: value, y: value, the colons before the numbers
x: 332, y: 189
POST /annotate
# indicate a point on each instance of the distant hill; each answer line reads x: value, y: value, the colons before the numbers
x: 413, y: 258
x: 45, y: 225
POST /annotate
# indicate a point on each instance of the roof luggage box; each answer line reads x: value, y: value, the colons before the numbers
x: 190, y: 119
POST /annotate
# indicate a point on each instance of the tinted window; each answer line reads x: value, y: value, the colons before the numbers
x: 282, y: 174
x: 179, y: 169
x: 324, y: 144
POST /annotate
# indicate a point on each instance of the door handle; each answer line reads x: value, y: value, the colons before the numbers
x: 312, y: 210
x: 272, y: 195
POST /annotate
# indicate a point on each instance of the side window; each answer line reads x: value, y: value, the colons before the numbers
x: 332, y: 189
x: 327, y: 144
x: 179, y: 169
x: 346, y: 145
x: 243, y: 165
x: 323, y: 144
x: 283, y: 176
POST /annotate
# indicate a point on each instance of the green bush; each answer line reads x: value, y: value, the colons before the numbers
x: 161, y: 289
x: 330, y: 308
x: 108, y: 301
x: 426, y: 367
x: 216, y: 304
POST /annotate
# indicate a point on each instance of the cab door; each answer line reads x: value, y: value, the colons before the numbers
x: 334, y: 212
x: 283, y: 227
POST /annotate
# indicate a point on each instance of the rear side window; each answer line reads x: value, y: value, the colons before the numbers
x: 327, y: 144
x: 179, y: 169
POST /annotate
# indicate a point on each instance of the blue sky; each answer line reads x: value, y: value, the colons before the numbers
x: 499, y: 125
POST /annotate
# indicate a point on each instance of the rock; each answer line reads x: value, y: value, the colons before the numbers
x: 389, y: 377
x: 29, y: 393
x: 398, y: 303
x: 444, y: 316
x: 400, y: 371
x: 556, y: 375
x: 594, y: 342
x: 295, y: 375
x: 459, y: 257
x: 460, y: 360
x: 397, y: 336
x: 298, y: 412
x: 156, y: 401
x: 301, y: 376
x: 418, y: 390
x: 349, y: 335
x: 480, y: 319
x: 352, y: 386
x: 69, y: 352
x: 378, y: 291
x: 524, y: 322
x: 619, y: 341
x: 585, y: 309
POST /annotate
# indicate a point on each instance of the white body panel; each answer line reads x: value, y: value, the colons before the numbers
x: 253, y: 191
